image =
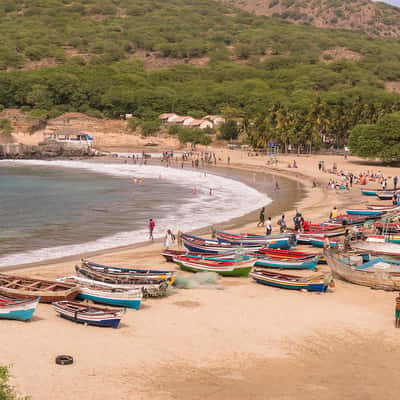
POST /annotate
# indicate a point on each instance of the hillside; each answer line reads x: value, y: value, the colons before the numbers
x: 374, y: 18
x: 289, y: 82
x: 38, y: 33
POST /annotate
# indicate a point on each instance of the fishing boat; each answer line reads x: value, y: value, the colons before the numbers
x: 391, y: 238
x: 224, y: 268
x: 320, y: 242
x: 282, y: 241
x: 148, y: 290
x: 98, y: 274
x: 383, y: 207
x: 386, y: 195
x: 368, y: 192
x: 377, y: 248
x: 287, y: 254
x: 287, y: 264
x: 170, y: 254
x: 99, y: 293
x: 312, y: 284
x: 136, y: 271
x: 27, y: 288
x: 19, y: 309
x: 366, y: 212
x: 200, y: 245
x: 348, y: 219
x: 89, y: 314
x: 387, y: 227
x: 376, y: 273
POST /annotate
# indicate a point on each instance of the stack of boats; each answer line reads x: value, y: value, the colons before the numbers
x: 382, y: 194
x: 249, y: 254
x: 112, y: 286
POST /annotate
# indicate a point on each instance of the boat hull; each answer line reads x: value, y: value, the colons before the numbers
x: 372, y: 213
x: 270, y: 281
x: 224, y: 271
x: 108, y: 323
x: 376, y: 280
x: 21, y: 312
x: 286, y: 264
x: 320, y: 243
x: 134, y: 304
x: 368, y: 192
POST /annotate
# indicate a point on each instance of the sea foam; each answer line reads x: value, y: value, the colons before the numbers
x: 229, y: 199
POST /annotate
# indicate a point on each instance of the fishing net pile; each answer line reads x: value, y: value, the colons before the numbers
x: 199, y: 280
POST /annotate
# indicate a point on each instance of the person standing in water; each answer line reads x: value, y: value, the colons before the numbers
x: 261, y: 218
x: 151, y: 229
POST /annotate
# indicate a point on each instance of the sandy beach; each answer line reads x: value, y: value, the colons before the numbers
x: 241, y: 341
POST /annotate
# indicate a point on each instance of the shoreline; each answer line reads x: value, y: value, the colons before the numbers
x: 234, y: 223
x: 219, y: 344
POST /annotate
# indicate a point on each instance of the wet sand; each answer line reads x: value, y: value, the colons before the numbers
x: 245, y: 341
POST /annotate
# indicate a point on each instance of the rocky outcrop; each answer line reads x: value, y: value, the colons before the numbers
x: 43, y: 151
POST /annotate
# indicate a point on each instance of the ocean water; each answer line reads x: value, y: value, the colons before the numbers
x: 52, y: 209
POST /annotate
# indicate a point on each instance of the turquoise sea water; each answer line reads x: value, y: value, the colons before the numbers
x: 53, y: 209
x: 45, y: 207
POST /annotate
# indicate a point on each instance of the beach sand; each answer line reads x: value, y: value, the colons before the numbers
x: 243, y: 341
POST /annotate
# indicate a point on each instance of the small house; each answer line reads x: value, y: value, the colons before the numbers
x: 217, y: 120
x: 201, y: 124
x: 185, y: 120
x: 168, y: 117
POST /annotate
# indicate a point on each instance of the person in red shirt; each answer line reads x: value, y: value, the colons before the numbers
x: 151, y: 229
x: 306, y: 225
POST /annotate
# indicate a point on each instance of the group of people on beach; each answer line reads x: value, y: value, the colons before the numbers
x: 268, y: 223
x: 346, y: 179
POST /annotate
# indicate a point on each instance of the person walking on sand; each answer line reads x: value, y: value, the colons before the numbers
x: 282, y: 224
x: 269, y: 226
x: 151, y: 229
x: 395, y: 181
x: 261, y: 218
x: 169, y: 239
x: 334, y: 213
x: 229, y: 160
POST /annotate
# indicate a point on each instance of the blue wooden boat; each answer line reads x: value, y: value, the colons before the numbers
x: 281, y: 241
x: 89, y: 314
x: 287, y: 264
x: 138, y: 271
x: 19, y: 309
x: 293, y: 282
x: 367, y: 212
x: 102, y: 293
x: 368, y: 192
x: 200, y: 245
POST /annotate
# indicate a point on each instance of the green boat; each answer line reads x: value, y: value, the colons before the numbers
x: 224, y: 268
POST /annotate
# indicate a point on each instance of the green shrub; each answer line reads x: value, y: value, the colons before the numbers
x: 5, y: 130
x: 149, y: 128
x: 7, y: 392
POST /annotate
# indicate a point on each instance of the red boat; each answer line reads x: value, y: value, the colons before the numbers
x: 284, y: 254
